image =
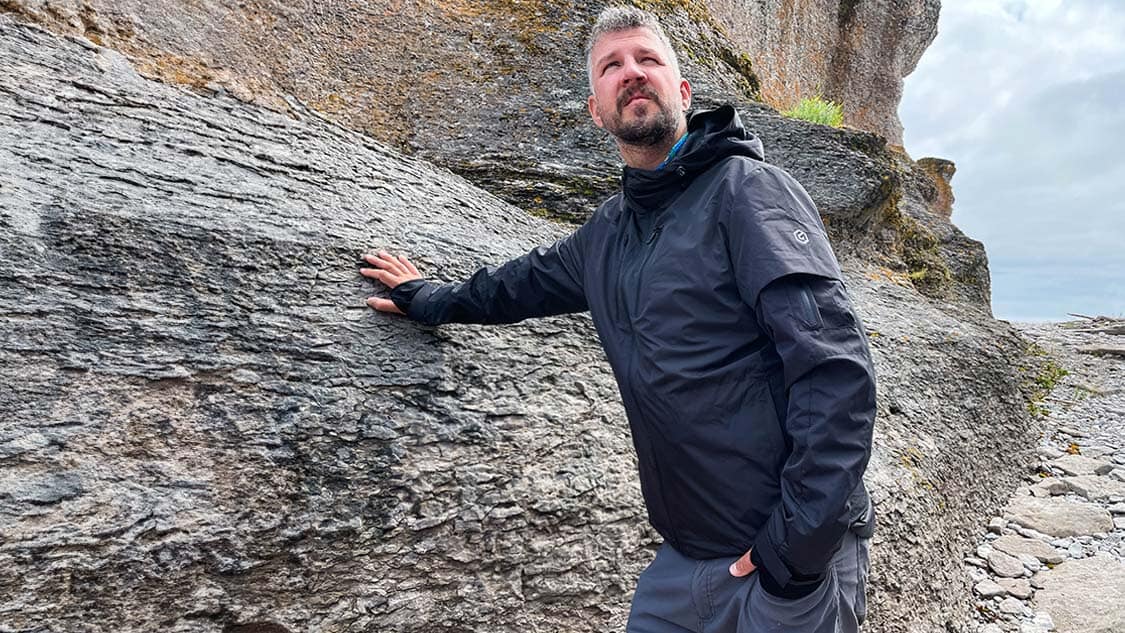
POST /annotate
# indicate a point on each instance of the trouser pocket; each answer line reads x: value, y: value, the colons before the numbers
x: 815, y: 613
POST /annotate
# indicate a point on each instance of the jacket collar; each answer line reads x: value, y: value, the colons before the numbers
x: 713, y: 135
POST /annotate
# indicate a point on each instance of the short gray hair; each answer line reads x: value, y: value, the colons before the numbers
x: 615, y: 19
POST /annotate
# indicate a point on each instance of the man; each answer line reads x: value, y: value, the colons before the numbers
x: 744, y: 372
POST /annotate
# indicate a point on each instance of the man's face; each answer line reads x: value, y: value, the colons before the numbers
x: 639, y: 97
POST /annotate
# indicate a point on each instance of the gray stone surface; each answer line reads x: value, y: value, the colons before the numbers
x: 1005, y: 565
x: 1095, y: 488
x: 989, y: 589
x: 209, y: 431
x: 1081, y: 465
x: 1017, y: 545
x: 1059, y: 516
x: 1011, y: 606
x: 1085, y: 596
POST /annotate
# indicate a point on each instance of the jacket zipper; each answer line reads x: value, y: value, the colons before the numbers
x: 654, y: 466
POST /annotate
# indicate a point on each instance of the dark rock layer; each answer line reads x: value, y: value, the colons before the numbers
x: 204, y: 429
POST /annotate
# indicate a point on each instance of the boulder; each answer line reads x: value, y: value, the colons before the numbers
x: 1059, y: 516
x: 1081, y: 465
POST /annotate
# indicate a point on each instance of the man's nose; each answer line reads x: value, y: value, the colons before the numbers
x: 633, y: 72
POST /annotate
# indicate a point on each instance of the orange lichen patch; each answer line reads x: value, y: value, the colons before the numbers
x: 896, y: 277
x: 175, y: 69
x: 330, y: 103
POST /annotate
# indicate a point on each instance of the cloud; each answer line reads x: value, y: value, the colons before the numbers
x: 1025, y: 96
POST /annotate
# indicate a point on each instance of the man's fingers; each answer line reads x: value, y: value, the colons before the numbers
x: 386, y: 262
x: 409, y: 266
x: 742, y: 566
x: 383, y: 305
x: 390, y: 269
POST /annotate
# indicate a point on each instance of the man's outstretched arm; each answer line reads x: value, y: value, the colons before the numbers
x: 544, y: 282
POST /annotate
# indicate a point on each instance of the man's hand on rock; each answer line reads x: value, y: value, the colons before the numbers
x: 391, y: 270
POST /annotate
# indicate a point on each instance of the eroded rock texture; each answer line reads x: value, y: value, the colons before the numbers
x: 204, y: 429
x: 496, y: 90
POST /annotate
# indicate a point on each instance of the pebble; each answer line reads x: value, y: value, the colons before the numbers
x: 1051, y: 453
x: 1117, y: 508
x: 1005, y: 565
x: 1011, y: 606
x: 1119, y: 523
x: 1030, y: 562
x: 1030, y: 533
x: 989, y: 589
x: 1016, y: 587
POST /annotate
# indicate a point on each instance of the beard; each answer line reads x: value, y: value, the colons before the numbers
x: 646, y: 131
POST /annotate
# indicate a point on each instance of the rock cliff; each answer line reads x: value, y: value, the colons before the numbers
x: 496, y: 90
x: 206, y: 430
x: 850, y: 51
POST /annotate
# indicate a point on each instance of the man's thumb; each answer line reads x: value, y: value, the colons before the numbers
x: 742, y: 566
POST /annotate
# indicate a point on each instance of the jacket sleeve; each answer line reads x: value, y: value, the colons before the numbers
x: 544, y: 282
x: 787, y: 273
x: 830, y: 379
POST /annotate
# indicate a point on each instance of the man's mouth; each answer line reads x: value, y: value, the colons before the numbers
x: 635, y: 97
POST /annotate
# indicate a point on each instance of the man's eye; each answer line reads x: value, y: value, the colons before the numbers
x: 609, y: 65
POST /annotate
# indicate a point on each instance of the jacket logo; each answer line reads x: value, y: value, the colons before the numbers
x: 801, y: 236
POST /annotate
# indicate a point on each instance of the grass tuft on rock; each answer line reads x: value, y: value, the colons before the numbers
x: 817, y: 110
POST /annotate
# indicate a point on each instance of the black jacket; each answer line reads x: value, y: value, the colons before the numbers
x: 744, y: 371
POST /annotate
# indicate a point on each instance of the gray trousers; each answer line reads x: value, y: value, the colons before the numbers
x: 676, y: 594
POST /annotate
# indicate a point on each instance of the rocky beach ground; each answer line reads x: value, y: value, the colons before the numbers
x: 1055, y: 559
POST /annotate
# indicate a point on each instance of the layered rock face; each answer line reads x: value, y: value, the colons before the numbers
x: 854, y: 52
x: 496, y: 90
x: 207, y: 431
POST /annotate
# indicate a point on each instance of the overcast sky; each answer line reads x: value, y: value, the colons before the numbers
x: 1027, y: 97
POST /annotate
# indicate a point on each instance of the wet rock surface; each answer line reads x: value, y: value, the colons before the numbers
x: 209, y: 431
x: 1065, y: 523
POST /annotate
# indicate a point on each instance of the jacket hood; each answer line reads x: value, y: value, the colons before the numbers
x: 712, y: 136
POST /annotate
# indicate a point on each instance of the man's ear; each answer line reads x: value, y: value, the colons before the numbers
x: 685, y: 94
x: 592, y: 105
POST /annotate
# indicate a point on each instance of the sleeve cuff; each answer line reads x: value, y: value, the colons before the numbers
x: 775, y: 577
x: 403, y: 295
